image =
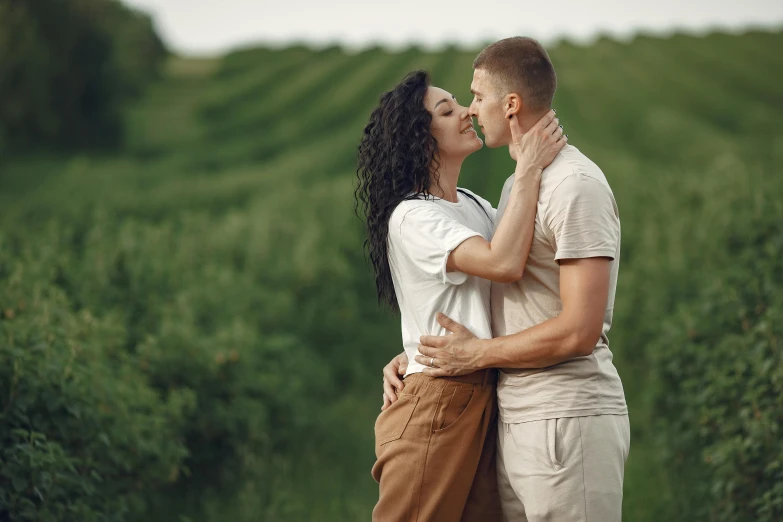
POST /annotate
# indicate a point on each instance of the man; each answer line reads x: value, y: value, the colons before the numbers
x: 563, y: 433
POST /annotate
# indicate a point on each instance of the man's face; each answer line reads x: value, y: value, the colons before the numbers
x: 488, y: 108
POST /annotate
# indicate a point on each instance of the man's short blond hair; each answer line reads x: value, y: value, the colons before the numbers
x: 522, y: 66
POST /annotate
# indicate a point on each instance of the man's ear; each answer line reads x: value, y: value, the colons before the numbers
x: 513, y: 105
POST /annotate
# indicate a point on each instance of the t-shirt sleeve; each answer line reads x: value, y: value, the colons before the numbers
x: 582, y: 217
x: 428, y: 235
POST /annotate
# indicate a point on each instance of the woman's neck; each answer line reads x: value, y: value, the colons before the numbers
x: 444, y: 182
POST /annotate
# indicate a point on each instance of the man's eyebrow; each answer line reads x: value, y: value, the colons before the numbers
x: 474, y: 92
x: 442, y: 101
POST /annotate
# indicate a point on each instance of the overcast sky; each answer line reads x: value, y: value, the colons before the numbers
x: 214, y: 26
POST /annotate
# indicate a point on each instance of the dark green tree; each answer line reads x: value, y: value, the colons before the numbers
x: 67, y: 69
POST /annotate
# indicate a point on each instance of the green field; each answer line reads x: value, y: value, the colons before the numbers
x: 218, y: 252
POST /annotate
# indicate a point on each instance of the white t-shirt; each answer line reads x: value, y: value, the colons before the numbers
x: 422, y: 234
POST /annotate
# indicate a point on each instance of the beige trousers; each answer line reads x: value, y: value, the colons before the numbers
x: 563, y: 470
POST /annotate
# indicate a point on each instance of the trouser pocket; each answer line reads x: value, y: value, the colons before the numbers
x: 554, y: 442
x: 391, y: 423
x: 454, y: 402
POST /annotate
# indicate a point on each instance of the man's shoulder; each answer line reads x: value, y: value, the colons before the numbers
x: 571, y: 171
x: 569, y: 162
x: 569, y: 166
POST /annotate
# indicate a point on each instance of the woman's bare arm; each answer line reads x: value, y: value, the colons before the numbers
x: 503, y: 259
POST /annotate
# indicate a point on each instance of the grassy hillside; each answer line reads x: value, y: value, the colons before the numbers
x: 222, y: 251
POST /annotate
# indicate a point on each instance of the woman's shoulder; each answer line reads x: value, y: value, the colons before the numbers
x: 478, y: 198
x: 417, y: 209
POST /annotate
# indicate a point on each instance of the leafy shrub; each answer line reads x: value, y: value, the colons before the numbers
x: 721, y: 368
x: 83, y: 436
x: 138, y: 373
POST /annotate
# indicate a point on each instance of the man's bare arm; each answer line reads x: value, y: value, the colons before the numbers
x: 584, y: 290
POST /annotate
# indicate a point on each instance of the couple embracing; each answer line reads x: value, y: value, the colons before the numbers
x: 504, y: 404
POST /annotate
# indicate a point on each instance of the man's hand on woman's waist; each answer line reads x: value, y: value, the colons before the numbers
x: 458, y: 353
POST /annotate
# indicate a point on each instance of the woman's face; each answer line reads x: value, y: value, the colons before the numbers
x: 452, y: 125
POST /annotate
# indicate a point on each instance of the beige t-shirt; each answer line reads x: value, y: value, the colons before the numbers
x: 577, y: 218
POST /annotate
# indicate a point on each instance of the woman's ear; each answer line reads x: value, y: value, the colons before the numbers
x: 513, y: 105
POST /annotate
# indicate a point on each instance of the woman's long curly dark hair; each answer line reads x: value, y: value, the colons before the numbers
x: 396, y: 155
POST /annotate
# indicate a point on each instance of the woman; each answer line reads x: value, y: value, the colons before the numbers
x: 433, y: 250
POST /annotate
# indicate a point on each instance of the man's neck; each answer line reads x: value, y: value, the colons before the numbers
x: 526, y: 122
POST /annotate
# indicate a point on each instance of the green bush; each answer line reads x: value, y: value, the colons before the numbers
x: 721, y: 381
x: 83, y: 436
x: 150, y: 375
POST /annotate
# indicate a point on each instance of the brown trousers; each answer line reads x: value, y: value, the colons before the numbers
x: 435, y: 450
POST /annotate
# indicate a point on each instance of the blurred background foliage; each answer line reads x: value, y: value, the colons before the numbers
x: 188, y: 327
x: 68, y: 67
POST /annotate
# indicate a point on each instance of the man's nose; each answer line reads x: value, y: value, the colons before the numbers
x: 472, y: 110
